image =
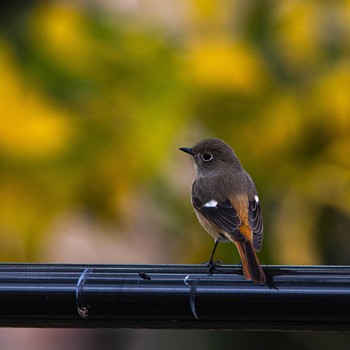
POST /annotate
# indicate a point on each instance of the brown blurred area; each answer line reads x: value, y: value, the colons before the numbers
x: 97, y: 96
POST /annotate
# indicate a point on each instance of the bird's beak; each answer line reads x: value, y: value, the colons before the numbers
x: 187, y: 150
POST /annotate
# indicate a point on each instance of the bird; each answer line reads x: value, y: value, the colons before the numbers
x: 226, y: 203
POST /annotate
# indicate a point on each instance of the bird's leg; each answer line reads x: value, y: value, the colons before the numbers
x: 211, y: 264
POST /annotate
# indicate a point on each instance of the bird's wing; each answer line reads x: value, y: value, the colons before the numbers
x: 222, y: 214
x: 256, y: 222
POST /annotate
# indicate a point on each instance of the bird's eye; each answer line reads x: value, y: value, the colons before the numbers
x: 207, y: 157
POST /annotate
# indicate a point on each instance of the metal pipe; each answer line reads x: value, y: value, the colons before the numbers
x: 174, y: 297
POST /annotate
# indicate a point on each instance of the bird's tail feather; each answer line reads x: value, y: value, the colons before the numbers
x: 250, y: 263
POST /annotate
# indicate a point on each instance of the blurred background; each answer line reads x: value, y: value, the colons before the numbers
x: 97, y: 96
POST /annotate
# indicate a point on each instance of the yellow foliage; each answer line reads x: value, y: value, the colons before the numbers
x: 293, y: 231
x: 278, y: 127
x: 214, y: 13
x: 329, y: 184
x: 30, y: 125
x: 59, y: 29
x: 339, y: 151
x: 331, y: 98
x: 297, y: 32
x: 219, y: 63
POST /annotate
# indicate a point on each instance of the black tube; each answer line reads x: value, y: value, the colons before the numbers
x: 173, y: 297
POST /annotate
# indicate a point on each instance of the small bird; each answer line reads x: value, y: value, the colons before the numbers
x: 226, y: 203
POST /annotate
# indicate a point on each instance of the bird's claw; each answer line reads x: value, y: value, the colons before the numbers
x: 212, y: 265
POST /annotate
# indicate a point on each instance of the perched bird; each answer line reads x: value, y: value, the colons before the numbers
x: 226, y: 202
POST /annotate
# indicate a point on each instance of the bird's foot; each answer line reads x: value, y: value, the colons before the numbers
x: 212, y: 265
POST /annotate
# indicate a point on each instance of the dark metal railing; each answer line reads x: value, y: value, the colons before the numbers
x: 174, y: 296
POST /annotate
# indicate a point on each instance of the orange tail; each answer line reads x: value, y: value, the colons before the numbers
x: 250, y: 263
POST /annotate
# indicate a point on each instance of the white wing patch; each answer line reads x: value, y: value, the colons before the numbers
x: 211, y: 204
x: 256, y: 199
